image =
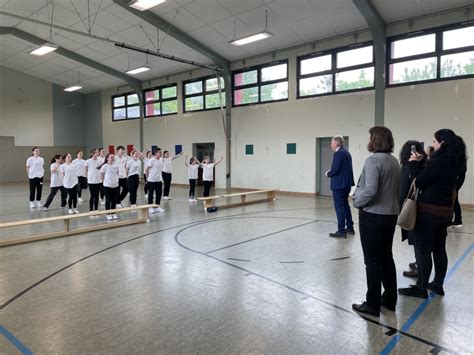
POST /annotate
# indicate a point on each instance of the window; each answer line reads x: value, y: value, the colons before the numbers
x: 437, y: 54
x: 203, y: 94
x: 265, y: 83
x: 161, y: 101
x: 337, y: 70
x: 125, y: 107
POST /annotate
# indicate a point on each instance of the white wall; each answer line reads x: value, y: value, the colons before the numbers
x: 26, y: 108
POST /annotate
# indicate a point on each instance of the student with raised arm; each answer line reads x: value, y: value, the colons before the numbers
x: 94, y: 179
x: 193, y: 168
x: 110, y: 177
x: 167, y: 173
x: 56, y: 183
x: 133, y: 170
x: 35, y: 171
x: 80, y: 165
x: 121, y: 162
x: 208, y: 174
x: 70, y: 182
x: 153, y: 170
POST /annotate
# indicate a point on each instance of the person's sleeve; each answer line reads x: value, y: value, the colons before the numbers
x: 336, y: 165
x: 366, y: 193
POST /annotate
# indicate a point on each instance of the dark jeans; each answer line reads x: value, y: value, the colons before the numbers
x: 376, y: 235
x: 431, y: 232
x: 82, y: 185
x: 343, y: 211
x: 111, y: 194
x: 94, y: 200
x: 122, y: 190
x: 133, y: 182
x: 154, y: 187
x: 53, y: 192
x: 145, y: 186
x: 192, y: 187
x: 72, y: 201
x: 207, y: 188
x: 457, y: 210
x: 167, y: 183
x: 36, y: 185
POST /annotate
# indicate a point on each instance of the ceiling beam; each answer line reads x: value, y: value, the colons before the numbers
x: 175, y: 32
x: 377, y: 28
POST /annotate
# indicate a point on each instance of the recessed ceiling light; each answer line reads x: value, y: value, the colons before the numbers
x: 137, y: 70
x: 44, y: 49
x: 73, y: 88
x: 252, y: 38
x: 143, y: 5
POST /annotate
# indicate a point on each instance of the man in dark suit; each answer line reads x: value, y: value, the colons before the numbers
x: 342, y: 179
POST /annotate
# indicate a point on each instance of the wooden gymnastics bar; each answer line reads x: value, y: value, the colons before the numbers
x: 209, y: 201
x: 142, y: 217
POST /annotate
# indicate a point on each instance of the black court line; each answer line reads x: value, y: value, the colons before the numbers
x: 290, y: 288
x: 244, y: 260
x: 344, y: 257
x: 291, y: 262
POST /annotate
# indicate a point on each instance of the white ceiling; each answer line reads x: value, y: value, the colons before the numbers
x: 211, y: 22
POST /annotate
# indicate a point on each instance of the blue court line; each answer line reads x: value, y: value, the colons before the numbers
x: 391, y: 345
x: 16, y: 343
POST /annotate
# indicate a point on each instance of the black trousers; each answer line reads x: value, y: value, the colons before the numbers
x: 122, y: 190
x: 457, y: 209
x: 111, y: 194
x: 72, y: 201
x: 36, y: 187
x: 376, y: 235
x: 82, y: 185
x: 102, y: 192
x: 94, y: 200
x: 53, y: 192
x: 145, y: 186
x: 133, y: 182
x: 207, y: 188
x: 166, y: 182
x: 192, y: 187
x: 431, y: 232
x: 154, y: 188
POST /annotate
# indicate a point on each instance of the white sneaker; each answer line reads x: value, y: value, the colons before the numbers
x: 75, y: 211
x: 134, y: 205
x: 32, y: 205
x: 45, y: 209
x: 70, y: 211
x: 102, y: 202
x: 80, y: 199
x: 109, y: 217
x: 167, y: 198
x: 119, y: 205
x: 151, y: 210
x: 194, y: 200
x: 38, y: 204
x: 160, y: 210
x: 146, y: 195
x: 191, y: 200
x: 114, y: 216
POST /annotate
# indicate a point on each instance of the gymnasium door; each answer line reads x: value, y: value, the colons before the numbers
x: 200, y: 150
x: 324, y: 157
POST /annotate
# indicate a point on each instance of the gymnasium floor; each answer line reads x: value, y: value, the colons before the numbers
x: 264, y: 278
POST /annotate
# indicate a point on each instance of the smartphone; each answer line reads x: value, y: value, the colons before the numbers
x: 413, y: 149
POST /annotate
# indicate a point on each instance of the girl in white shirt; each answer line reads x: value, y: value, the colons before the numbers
x: 121, y: 162
x: 102, y: 160
x: 134, y: 168
x: 70, y: 182
x: 153, y: 171
x: 167, y: 173
x: 81, y: 174
x: 193, y: 170
x: 110, y: 177
x: 35, y: 171
x: 56, y: 183
x: 147, y: 158
x: 94, y: 180
x: 208, y: 174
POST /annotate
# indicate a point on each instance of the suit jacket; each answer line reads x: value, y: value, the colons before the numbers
x: 341, y: 170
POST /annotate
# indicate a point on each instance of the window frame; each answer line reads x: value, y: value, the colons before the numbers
x: 334, y: 70
x: 438, y: 53
x: 204, y: 93
x: 260, y: 83
x: 160, y: 100
x: 126, y: 106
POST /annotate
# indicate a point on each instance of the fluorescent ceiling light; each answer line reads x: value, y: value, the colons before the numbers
x: 73, y: 88
x: 137, y: 70
x: 251, y: 38
x: 44, y: 49
x: 143, y: 5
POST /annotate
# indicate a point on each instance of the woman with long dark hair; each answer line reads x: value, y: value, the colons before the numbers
x: 56, y: 183
x: 437, y: 184
x: 70, y: 181
x: 408, y: 174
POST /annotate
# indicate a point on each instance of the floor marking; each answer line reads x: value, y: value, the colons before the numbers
x: 15, y: 342
x: 291, y: 262
x: 235, y: 259
x: 344, y: 257
x: 421, y: 308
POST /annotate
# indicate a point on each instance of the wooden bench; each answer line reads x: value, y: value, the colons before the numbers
x: 142, y: 217
x: 209, y: 201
